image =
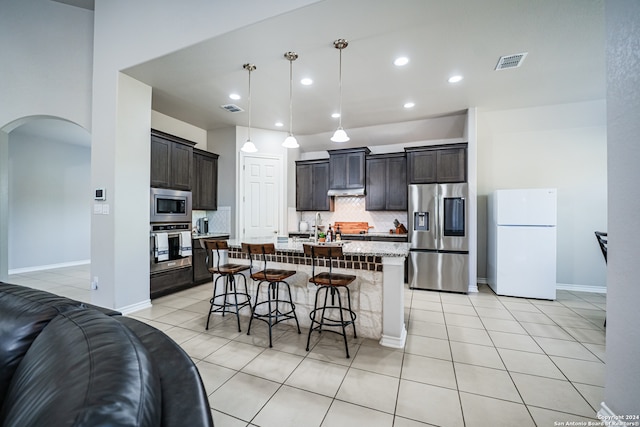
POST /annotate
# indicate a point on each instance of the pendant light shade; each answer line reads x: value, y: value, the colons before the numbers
x: 248, y: 146
x: 290, y: 141
x: 340, y: 135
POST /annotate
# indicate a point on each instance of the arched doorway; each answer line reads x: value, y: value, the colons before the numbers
x: 46, y: 216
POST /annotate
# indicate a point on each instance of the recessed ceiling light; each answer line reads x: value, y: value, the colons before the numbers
x: 234, y: 96
x: 409, y: 105
x: 335, y: 115
x: 306, y: 81
x: 401, y: 61
x: 279, y: 124
x: 455, y: 79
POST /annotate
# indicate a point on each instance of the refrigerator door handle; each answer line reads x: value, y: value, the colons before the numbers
x: 438, y: 221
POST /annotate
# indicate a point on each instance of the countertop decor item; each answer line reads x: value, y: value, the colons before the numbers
x: 400, y: 228
x: 353, y: 227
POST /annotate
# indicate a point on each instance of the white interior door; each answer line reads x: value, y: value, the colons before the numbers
x: 262, y: 196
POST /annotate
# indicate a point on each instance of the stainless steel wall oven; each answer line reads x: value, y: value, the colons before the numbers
x: 170, y: 247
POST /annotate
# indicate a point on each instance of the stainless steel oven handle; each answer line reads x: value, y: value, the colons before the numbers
x: 171, y: 234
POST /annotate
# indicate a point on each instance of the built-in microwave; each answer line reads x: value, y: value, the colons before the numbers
x: 170, y: 205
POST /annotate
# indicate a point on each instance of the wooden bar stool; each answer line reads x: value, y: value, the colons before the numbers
x: 331, y: 315
x: 278, y: 309
x: 229, y: 300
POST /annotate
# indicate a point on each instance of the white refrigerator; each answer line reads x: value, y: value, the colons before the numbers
x: 521, y: 242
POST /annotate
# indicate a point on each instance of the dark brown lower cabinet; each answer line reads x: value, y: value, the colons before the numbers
x: 201, y: 273
x: 168, y: 282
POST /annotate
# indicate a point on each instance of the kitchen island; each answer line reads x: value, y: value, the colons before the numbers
x: 377, y: 293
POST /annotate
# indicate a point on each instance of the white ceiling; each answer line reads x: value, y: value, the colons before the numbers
x: 565, y: 41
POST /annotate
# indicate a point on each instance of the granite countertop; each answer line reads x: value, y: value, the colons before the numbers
x: 356, y: 247
x: 370, y: 233
x: 377, y: 234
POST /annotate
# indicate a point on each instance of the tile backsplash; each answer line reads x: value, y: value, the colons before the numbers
x: 352, y: 209
x: 219, y: 221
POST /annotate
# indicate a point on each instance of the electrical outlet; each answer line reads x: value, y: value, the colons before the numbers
x: 94, y: 283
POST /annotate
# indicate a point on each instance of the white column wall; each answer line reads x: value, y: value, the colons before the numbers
x: 4, y: 205
x: 120, y: 163
x: 622, y: 379
x: 472, y: 178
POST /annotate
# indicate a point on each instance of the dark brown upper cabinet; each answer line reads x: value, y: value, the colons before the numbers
x: 205, y: 180
x: 347, y: 171
x: 171, y: 161
x: 312, y: 185
x: 438, y: 163
x: 386, y: 177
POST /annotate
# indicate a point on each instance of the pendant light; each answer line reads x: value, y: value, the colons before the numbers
x: 340, y: 135
x: 249, y: 147
x: 290, y: 141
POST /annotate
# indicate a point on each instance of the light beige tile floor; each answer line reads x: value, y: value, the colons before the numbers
x: 470, y: 360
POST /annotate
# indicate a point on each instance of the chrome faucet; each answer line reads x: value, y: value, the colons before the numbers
x: 317, y: 223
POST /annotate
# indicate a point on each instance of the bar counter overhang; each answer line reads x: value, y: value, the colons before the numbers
x: 377, y: 293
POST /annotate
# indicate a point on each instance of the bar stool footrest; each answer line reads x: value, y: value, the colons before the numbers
x: 276, y: 315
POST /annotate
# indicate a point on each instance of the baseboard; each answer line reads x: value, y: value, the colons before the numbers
x: 609, y: 419
x: 395, y: 342
x: 581, y: 288
x: 563, y: 286
x: 134, y: 307
x: 48, y: 266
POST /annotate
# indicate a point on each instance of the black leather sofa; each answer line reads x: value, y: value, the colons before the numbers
x: 65, y: 363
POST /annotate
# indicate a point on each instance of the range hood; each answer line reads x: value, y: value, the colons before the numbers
x: 346, y: 192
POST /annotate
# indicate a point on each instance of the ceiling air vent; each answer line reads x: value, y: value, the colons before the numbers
x: 511, y: 61
x: 232, y: 108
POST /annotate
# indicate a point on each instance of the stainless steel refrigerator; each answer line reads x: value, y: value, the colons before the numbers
x: 438, y: 235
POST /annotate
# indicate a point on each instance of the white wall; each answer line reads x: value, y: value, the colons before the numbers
x: 49, y: 202
x: 46, y: 50
x: 46, y: 53
x: 176, y: 127
x: 223, y: 143
x: 559, y: 146
x: 622, y: 379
